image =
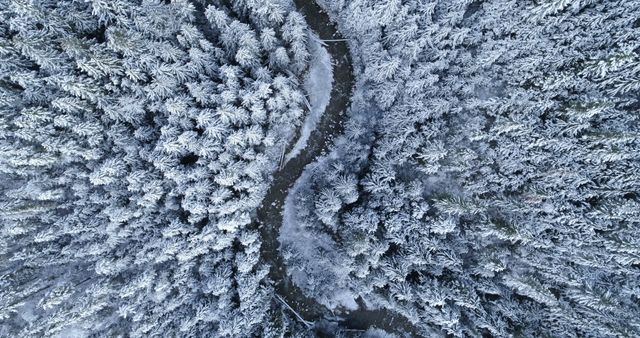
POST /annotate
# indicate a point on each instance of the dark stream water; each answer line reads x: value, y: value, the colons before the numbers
x: 269, y: 214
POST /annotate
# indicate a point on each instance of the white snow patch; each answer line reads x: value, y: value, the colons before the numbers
x: 72, y: 332
x: 317, y: 84
x: 345, y: 299
x: 27, y: 313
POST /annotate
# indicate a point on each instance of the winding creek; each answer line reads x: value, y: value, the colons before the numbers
x: 269, y: 214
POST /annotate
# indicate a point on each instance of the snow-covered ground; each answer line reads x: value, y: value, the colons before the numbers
x: 317, y: 85
x: 308, y: 245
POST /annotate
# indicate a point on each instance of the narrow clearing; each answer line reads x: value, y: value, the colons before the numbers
x: 269, y: 214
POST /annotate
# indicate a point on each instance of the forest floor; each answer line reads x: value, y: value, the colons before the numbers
x: 317, y: 86
x: 270, y: 213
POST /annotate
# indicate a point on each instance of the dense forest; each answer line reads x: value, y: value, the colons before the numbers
x: 136, y: 139
x: 486, y: 182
